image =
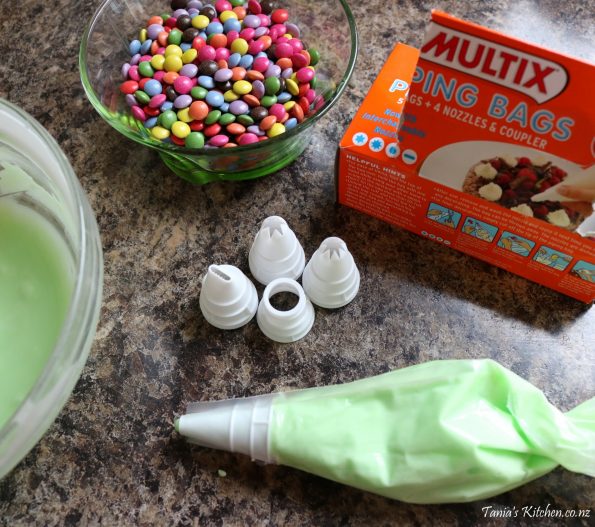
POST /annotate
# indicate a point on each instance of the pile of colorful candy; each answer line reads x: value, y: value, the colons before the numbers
x: 222, y: 75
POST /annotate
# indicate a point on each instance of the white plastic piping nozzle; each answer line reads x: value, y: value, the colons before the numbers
x: 285, y: 326
x: 235, y: 425
x: 276, y: 252
x: 331, y: 278
x: 228, y: 299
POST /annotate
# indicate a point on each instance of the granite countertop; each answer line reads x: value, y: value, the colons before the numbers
x: 112, y: 457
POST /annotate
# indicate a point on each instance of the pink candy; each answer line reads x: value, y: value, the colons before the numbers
x: 157, y: 100
x: 223, y: 5
x: 247, y: 139
x: 133, y: 73
x: 207, y: 53
x: 222, y: 54
x: 278, y: 110
x: 283, y: 51
x: 183, y: 84
x: 261, y: 64
x: 138, y: 113
x: 219, y: 140
x: 304, y: 75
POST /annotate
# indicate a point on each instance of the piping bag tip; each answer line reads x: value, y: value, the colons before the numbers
x: 177, y: 424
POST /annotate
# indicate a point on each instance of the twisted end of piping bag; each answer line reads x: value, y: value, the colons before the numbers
x: 440, y: 432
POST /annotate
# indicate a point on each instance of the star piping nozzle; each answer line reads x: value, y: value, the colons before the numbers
x: 235, y: 425
x: 228, y: 299
x: 276, y: 252
x: 285, y: 326
x: 331, y: 278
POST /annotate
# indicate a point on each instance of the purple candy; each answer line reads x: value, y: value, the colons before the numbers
x: 135, y: 59
x: 125, y: 70
x: 189, y: 70
x: 179, y: 12
x: 261, y: 31
x: 254, y: 129
x: 293, y: 30
x: 194, y: 4
x: 258, y: 89
x: 273, y: 71
x: 192, y: 12
x: 183, y: 101
x: 153, y: 30
x: 287, y: 73
x: 252, y: 21
x: 131, y: 100
x: 238, y: 107
x: 223, y: 75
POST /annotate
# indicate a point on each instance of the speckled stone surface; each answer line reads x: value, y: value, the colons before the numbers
x: 112, y: 458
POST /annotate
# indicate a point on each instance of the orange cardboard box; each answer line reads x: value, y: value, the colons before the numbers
x: 467, y: 143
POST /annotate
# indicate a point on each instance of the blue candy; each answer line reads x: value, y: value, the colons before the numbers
x: 214, y: 98
x: 224, y: 107
x: 206, y: 82
x: 234, y: 59
x: 167, y: 105
x: 283, y: 97
x: 153, y: 87
x: 232, y: 24
x: 185, y: 46
x: 246, y: 61
x: 150, y: 122
x: 214, y: 27
x: 134, y: 47
x: 146, y: 46
x: 290, y: 123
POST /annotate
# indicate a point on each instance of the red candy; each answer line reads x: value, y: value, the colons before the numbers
x: 129, y: 87
x: 279, y: 16
x: 254, y: 7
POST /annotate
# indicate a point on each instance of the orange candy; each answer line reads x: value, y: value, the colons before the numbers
x: 268, y: 41
x: 253, y: 75
x: 222, y: 64
x: 236, y: 128
x: 218, y: 40
x: 198, y: 110
x: 162, y: 38
x: 238, y: 73
x: 284, y: 63
x: 155, y: 20
x: 267, y: 122
x: 297, y: 112
x: 154, y: 47
x: 170, y: 77
x: 305, y: 53
x: 240, y: 11
x: 251, y: 100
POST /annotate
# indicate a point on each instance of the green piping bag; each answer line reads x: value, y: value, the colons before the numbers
x: 439, y: 432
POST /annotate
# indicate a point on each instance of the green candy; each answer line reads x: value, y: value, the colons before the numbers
x: 194, y: 140
x: 237, y: 3
x: 314, y: 56
x: 175, y: 37
x: 167, y: 119
x: 314, y: 83
x: 142, y: 97
x: 227, y: 118
x: 145, y: 69
x: 213, y: 117
x: 198, y: 92
x: 272, y: 85
x: 245, y: 120
x: 268, y: 100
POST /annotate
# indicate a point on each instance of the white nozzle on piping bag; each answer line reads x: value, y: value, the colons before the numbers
x: 285, y: 326
x: 583, y: 178
x: 441, y: 432
x: 276, y: 252
x: 331, y: 278
x: 235, y: 425
x: 228, y: 299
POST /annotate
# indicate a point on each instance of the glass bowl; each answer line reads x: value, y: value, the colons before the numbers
x: 37, y: 180
x: 326, y: 25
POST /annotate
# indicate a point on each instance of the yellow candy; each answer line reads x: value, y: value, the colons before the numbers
x: 173, y: 63
x: 158, y: 132
x: 241, y: 87
x: 275, y: 130
x: 174, y: 50
x: 288, y: 36
x: 200, y: 22
x: 289, y: 105
x: 157, y: 61
x: 189, y: 56
x: 226, y: 15
x: 230, y: 96
x: 184, y: 116
x: 292, y: 87
x: 142, y: 36
x: 239, y: 45
x: 180, y: 129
